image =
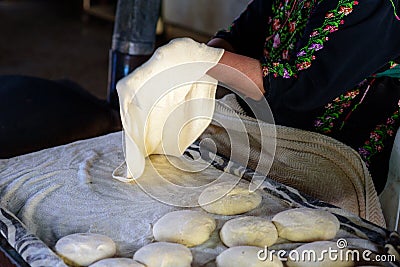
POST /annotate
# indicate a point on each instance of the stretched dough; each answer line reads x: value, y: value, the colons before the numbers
x: 306, y: 225
x: 245, y: 256
x: 163, y: 254
x: 186, y: 227
x: 117, y: 262
x: 249, y: 231
x: 84, y: 249
x: 221, y: 199
x: 317, y: 254
x: 174, y: 76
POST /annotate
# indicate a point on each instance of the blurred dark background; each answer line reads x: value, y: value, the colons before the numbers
x: 68, y: 39
x: 55, y: 40
x: 58, y: 54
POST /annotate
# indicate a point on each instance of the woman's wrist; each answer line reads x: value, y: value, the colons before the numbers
x: 241, y: 73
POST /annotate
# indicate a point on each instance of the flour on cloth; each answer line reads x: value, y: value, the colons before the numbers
x: 69, y: 189
x: 167, y: 102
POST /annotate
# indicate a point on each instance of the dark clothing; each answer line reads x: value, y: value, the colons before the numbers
x: 319, y: 59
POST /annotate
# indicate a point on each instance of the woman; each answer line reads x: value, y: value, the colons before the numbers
x: 328, y: 66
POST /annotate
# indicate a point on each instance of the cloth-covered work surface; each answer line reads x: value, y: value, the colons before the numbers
x: 69, y: 189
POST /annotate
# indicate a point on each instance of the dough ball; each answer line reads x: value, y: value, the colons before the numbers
x: 186, y: 227
x: 222, y: 199
x: 117, y: 262
x: 245, y: 256
x: 249, y: 231
x: 163, y: 254
x: 306, y: 225
x: 317, y: 254
x: 85, y: 248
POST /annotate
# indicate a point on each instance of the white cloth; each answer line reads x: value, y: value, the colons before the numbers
x: 69, y: 189
x: 167, y: 103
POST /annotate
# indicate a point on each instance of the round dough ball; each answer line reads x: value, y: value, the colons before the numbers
x: 317, y: 254
x: 120, y: 262
x: 85, y: 248
x: 245, y: 256
x: 306, y: 225
x: 163, y: 254
x: 221, y: 199
x: 186, y: 227
x: 249, y: 231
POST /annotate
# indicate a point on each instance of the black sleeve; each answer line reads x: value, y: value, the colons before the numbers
x: 369, y: 38
x: 248, y: 32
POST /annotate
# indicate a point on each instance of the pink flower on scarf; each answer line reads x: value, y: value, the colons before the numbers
x: 277, y: 41
x: 314, y: 33
x: 285, y: 54
x: 292, y: 26
x: 331, y: 28
x: 375, y: 136
x: 329, y: 15
x: 390, y: 121
x: 303, y: 65
x: 345, y: 10
x: 276, y: 25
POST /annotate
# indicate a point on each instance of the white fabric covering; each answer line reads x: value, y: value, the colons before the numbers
x: 69, y: 189
x: 167, y: 102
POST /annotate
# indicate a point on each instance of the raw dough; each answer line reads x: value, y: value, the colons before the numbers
x: 85, y: 248
x: 117, y: 262
x: 186, y: 227
x: 249, y: 231
x: 221, y: 199
x: 317, y: 254
x: 306, y: 225
x: 163, y: 254
x: 174, y: 76
x: 245, y: 256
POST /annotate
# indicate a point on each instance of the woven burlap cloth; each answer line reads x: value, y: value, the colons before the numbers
x: 314, y: 164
